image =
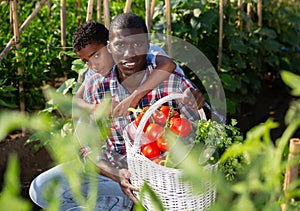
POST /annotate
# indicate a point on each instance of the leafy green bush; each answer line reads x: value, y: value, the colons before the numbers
x: 249, y: 56
x: 40, y: 52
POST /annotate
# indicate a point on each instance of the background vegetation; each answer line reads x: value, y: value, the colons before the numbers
x: 251, y: 56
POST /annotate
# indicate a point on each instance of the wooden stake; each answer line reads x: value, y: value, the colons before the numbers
x: 127, y: 6
x: 148, y: 22
x: 89, y: 13
x: 21, y: 29
x: 63, y: 24
x: 259, y: 13
x: 168, y: 17
x: 220, y: 35
x: 249, y: 9
x: 153, y: 3
x: 291, y: 173
x: 18, y: 55
x: 99, y: 14
x: 106, y: 13
x: 240, y: 10
x: 78, y: 5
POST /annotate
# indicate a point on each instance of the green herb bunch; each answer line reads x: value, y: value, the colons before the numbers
x: 212, y: 133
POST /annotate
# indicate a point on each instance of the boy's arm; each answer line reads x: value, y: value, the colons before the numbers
x: 164, y: 67
x: 78, y: 98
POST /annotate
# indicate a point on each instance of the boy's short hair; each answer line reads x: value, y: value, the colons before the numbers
x: 127, y: 20
x: 88, y: 33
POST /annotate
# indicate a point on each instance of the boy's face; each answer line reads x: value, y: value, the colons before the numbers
x: 128, y: 48
x: 97, y: 58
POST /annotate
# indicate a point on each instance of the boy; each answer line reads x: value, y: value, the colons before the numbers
x: 89, y: 43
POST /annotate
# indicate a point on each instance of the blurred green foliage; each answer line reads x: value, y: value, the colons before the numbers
x: 250, y: 55
x: 258, y: 186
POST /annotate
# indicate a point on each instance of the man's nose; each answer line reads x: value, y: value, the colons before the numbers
x: 129, y: 51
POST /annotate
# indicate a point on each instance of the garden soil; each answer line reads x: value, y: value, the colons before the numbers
x: 273, y: 101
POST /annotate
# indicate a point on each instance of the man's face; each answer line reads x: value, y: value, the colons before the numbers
x: 129, y: 48
x: 97, y: 58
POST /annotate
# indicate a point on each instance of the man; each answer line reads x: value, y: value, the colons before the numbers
x: 128, y: 45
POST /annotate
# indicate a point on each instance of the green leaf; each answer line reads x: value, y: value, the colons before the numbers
x: 291, y: 79
x: 266, y: 32
x: 272, y: 45
x: 66, y: 86
x: 155, y: 200
x: 238, y: 45
x: 229, y: 82
x: 10, y: 198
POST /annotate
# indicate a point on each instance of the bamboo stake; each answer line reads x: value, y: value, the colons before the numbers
x: 89, y: 13
x: 168, y: 17
x: 249, y: 6
x: 99, y: 15
x: 106, y: 13
x: 127, y: 6
x: 220, y: 35
x: 21, y: 29
x: 18, y: 55
x: 63, y: 24
x: 240, y: 10
x: 11, y: 19
x: 259, y: 13
x: 153, y: 3
x: 78, y: 5
x: 291, y: 173
x: 148, y: 23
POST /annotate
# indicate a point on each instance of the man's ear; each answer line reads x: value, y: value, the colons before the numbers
x: 108, y: 47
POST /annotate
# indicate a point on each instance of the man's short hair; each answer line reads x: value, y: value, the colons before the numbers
x: 89, y: 33
x: 128, y: 20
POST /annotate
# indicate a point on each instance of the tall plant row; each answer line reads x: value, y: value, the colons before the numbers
x: 248, y: 42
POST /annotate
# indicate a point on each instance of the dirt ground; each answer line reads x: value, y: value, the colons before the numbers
x: 273, y: 101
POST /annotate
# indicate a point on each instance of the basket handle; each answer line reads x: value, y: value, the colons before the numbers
x: 147, y: 115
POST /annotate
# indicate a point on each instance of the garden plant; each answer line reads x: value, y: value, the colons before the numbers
x: 252, y: 54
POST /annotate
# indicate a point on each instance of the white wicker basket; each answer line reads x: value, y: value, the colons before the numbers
x: 166, y: 182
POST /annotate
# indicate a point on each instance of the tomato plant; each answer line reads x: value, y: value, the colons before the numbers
x: 180, y: 126
x: 151, y: 150
x: 154, y: 131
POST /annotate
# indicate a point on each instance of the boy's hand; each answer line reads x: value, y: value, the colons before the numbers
x: 126, y: 186
x: 193, y: 98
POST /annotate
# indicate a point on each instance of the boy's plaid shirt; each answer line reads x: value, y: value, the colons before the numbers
x: 99, y: 88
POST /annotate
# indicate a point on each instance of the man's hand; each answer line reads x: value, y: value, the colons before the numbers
x: 193, y: 98
x: 121, y: 108
x: 127, y: 187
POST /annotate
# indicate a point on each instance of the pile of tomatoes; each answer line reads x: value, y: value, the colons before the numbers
x: 163, y: 120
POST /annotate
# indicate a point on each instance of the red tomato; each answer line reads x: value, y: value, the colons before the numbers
x: 180, y: 126
x: 151, y: 150
x: 161, y: 115
x: 154, y: 131
x: 162, y: 144
x: 138, y: 120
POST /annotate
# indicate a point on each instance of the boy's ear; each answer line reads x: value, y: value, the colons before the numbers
x: 108, y: 47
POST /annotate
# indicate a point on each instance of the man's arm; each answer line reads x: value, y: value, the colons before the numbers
x: 119, y: 175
